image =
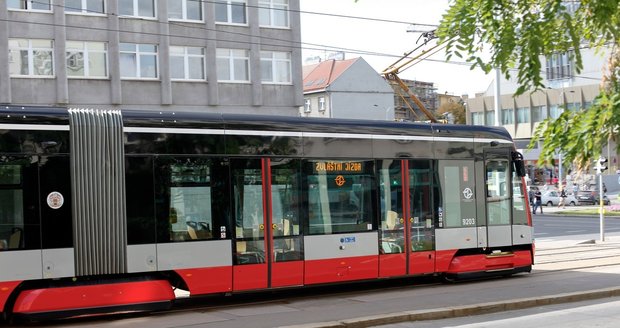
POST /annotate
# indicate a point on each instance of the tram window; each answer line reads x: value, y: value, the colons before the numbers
x: 459, y: 201
x: 391, y: 204
x: 421, y: 186
x: 498, y: 197
x: 286, y: 203
x: 339, y: 196
x: 185, y: 194
x: 247, y: 187
x: 19, y: 213
x: 519, y: 214
x: 141, y: 228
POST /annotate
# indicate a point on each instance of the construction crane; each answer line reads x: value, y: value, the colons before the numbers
x: 405, y: 62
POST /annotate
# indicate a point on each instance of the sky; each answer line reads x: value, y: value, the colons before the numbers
x: 389, y: 38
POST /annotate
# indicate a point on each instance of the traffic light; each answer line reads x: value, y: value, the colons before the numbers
x: 601, y: 165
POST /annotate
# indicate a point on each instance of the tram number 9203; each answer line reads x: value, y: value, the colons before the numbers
x: 468, y: 221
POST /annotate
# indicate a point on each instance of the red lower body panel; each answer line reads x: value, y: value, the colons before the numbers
x: 392, y: 265
x: 422, y: 262
x: 481, y: 262
x: 443, y: 259
x: 287, y: 273
x: 207, y: 280
x: 6, y: 288
x: 249, y: 276
x: 92, y: 296
x: 343, y: 269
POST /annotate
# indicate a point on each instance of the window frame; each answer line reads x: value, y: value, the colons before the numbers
x: 138, y: 54
x: 272, y: 8
x: 322, y: 104
x: 307, y: 105
x: 85, y: 11
x: 186, y: 56
x: 87, y: 66
x: 30, y: 49
x: 136, y: 10
x: 29, y: 5
x: 271, y: 59
x: 230, y: 58
x: 184, y: 12
x: 229, y: 11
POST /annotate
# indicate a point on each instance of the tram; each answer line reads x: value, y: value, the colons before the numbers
x: 104, y: 211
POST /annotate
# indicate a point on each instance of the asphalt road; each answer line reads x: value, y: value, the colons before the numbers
x: 556, y: 227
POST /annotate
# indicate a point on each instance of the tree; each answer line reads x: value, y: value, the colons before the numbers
x: 456, y: 109
x: 518, y: 33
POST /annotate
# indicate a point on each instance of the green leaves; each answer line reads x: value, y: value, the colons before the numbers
x: 521, y: 33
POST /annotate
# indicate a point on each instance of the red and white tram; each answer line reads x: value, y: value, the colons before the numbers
x: 110, y: 210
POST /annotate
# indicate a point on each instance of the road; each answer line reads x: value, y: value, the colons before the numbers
x: 552, y: 227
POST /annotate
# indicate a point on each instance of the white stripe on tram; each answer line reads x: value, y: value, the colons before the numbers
x: 38, y: 127
x: 309, y: 134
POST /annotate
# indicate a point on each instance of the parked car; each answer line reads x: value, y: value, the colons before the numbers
x: 552, y: 198
x: 591, y: 197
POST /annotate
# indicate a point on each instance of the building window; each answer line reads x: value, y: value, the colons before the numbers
x: 87, y: 59
x: 231, y: 11
x: 43, y: 5
x: 539, y: 113
x: 275, y: 67
x: 307, y: 105
x: 507, y: 116
x: 31, y: 57
x: 233, y: 65
x: 85, y: 6
x: 137, y: 8
x: 185, y: 10
x: 187, y: 63
x: 138, y: 60
x: 490, y: 117
x: 273, y: 13
x: 477, y: 118
x: 523, y: 115
x: 560, y: 66
x: 555, y: 111
x: 321, y: 104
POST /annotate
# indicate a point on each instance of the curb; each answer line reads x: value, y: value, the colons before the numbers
x: 465, y: 310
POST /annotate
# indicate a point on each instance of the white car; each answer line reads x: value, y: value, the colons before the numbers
x: 552, y: 198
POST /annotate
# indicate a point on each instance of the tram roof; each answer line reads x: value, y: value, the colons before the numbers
x: 180, y: 119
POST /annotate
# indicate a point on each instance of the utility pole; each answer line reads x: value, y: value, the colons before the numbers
x: 600, y: 166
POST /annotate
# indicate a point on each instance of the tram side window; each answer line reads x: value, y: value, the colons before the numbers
x: 141, y: 228
x: 184, y: 196
x: 519, y: 214
x: 19, y: 212
x: 498, y: 194
x: 339, y: 196
x: 286, y: 200
x: 459, y: 201
x: 391, y: 201
x: 11, y: 210
x: 247, y: 187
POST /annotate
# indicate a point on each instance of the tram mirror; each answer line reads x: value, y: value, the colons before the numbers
x: 519, y: 165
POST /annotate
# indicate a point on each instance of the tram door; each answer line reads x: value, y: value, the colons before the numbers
x: 498, y: 200
x: 406, y: 243
x: 267, y: 247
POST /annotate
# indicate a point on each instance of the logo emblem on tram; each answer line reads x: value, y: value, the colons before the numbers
x: 468, y: 193
x: 55, y: 200
x: 340, y: 180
